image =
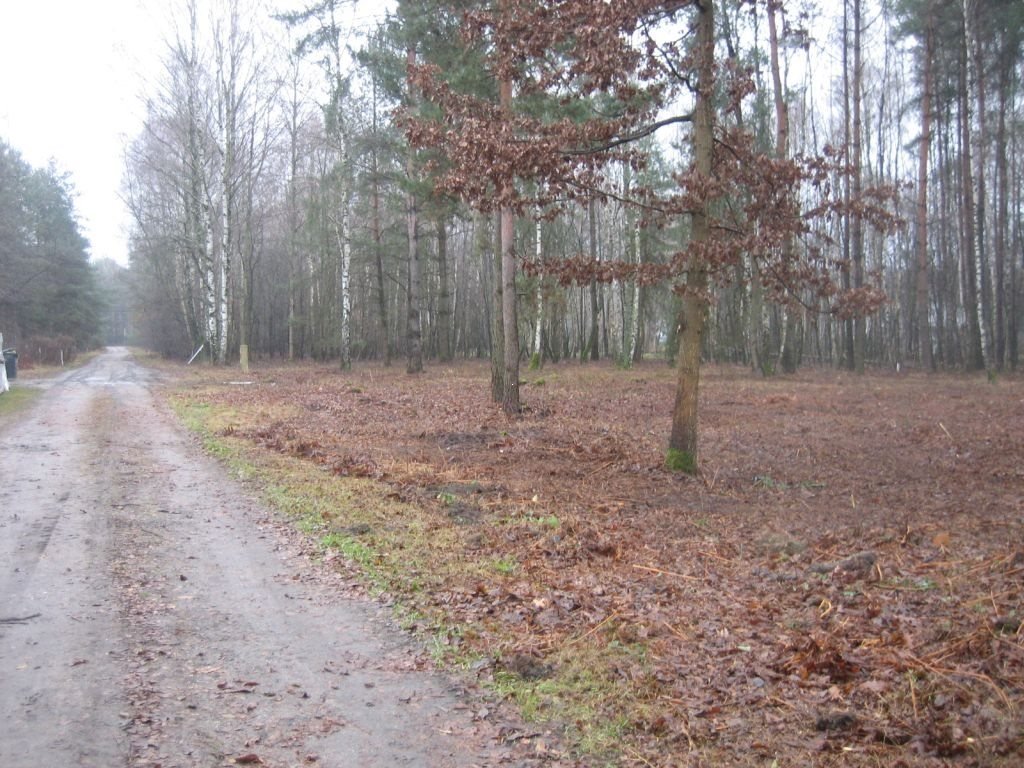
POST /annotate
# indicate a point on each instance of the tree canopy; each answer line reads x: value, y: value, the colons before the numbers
x: 47, y: 285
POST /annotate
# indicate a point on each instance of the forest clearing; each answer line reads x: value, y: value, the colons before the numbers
x: 841, y: 584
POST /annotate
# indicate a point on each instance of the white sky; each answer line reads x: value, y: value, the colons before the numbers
x: 70, y: 87
x: 73, y: 76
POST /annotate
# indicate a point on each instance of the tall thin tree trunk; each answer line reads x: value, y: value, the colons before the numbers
x: 788, y: 350
x: 538, y: 330
x: 294, y: 268
x: 975, y: 352
x: 378, y: 261
x: 246, y: 260
x: 1016, y: 289
x: 593, y: 339
x: 227, y: 53
x: 947, y: 285
x: 924, y: 336
x: 857, y: 224
x: 444, y: 307
x: 198, y: 221
x: 414, y: 340
x: 493, y: 255
x: 683, y: 440
x: 210, y: 285
x: 849, y: 353
x: 1002, y: 233
x: 414, y: 332
x: 509, y: 313
x: 378, y: 236
x: 979, y: 143
x: 636, y: 332
x: 344, y: 292
x: 755, y: 317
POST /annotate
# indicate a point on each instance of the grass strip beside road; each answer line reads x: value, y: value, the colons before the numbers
x: 17, y: 400
x: 447, y: 581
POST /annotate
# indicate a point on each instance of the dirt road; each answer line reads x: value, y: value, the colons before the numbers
x: 152, y: 615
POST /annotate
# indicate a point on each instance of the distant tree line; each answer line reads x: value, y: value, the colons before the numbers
x: 49, y: 302
x: 279, y: 204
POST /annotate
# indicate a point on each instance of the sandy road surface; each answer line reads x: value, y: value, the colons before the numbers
x: 151, y: 615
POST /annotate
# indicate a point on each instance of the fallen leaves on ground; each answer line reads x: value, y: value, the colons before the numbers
x: 841, y: 585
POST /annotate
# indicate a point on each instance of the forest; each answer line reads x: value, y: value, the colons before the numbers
x: 50, y: 300
x: 322, y: 184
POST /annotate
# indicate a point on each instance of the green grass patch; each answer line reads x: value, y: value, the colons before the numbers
x: 351, y: 547
x: 420, y: 556
x: 17, y: 400
x: 404, y: 549
x: 587, y: 692
x: 505, y: 565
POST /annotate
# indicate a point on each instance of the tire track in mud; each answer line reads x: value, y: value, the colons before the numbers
x: 60, y: 651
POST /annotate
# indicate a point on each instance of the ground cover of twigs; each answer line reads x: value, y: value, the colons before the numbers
x: 841, y: 585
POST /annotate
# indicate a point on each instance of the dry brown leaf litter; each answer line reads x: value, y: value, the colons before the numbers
x: 841, y: 585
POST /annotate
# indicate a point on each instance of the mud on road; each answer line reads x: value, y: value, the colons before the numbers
x: 153, y: 615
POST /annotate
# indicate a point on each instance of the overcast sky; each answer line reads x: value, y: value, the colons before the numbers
x: 73, y: 75
x: 69, y: 91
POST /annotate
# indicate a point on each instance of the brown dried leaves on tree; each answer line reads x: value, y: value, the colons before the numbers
x: 592, y: 79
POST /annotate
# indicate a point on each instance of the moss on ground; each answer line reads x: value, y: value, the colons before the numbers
x: 681, y: 461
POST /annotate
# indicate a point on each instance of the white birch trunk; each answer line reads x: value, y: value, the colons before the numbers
x: 634, y: 339
x: 538, y: 331
x: 210, y: 284
x: 222, y: 279
x: 976, y: 94
x: 344, y: 257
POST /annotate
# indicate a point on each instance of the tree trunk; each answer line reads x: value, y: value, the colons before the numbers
x: 537, y: 360
x: 294, y: 268
x: 857, y: 224
x: 247, y: 259
x: 979, y: 143
x: 924, y: 336
x: 497, y: 327
x: 1002, y: 233
x: 414, y: 332
x: 344, y: 293
x: 682, y: 454
x: 849, y: 354
x: 593, y: 338
x: 1016, y: 292
x: 975, y: 352
x: 788, y: 351
x: 509, y: 314
x: 377, y: 232
x: 378, y: 260
x: 636, y: 332
x: 948, y: 342
x: 444, y: 306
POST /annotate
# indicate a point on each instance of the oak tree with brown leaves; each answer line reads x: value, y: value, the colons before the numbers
x: 582, y: 81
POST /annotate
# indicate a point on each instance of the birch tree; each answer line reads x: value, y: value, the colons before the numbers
x: 322, y: 32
